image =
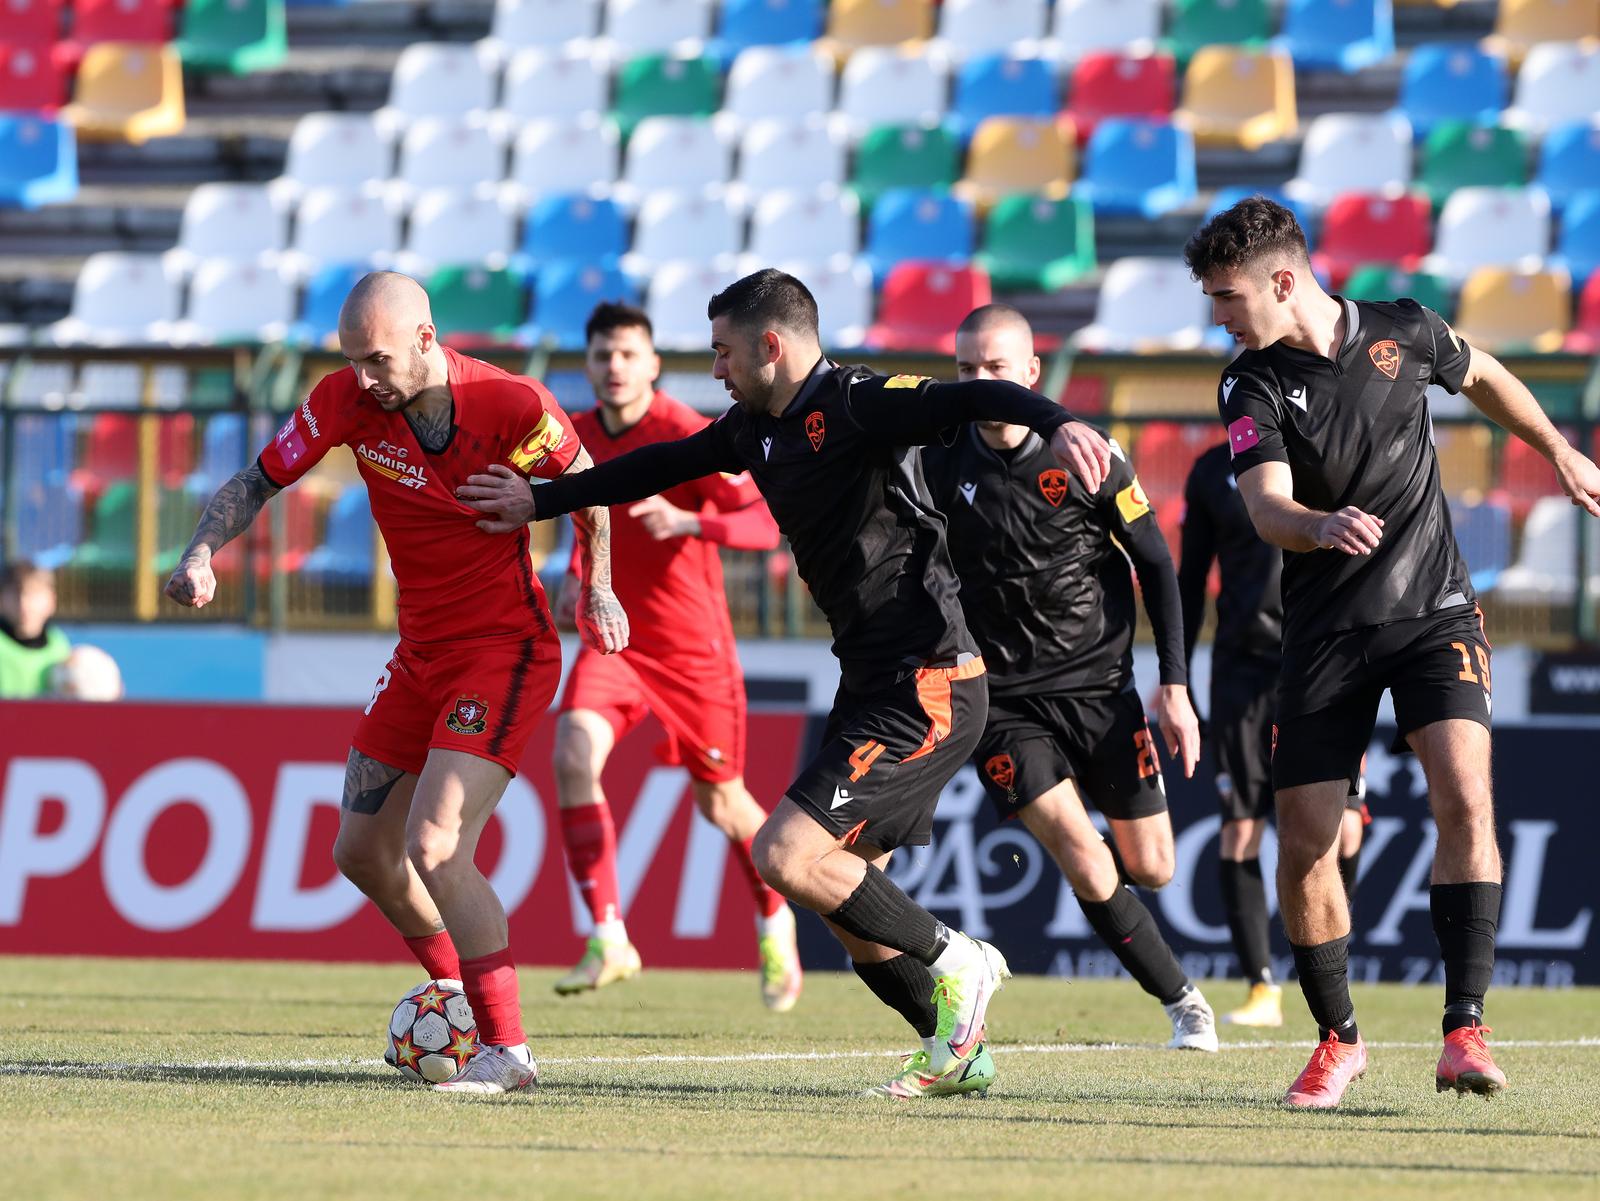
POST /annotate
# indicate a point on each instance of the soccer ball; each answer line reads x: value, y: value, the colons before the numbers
x: 432, y: 1033
x: 87, y: 674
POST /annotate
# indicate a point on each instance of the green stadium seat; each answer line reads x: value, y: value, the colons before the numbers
x: 1462, y: 154
x: 113, y: 542
x: 1035, y: 243
x: 663, y: 85
x: 904, y: 156
x: 473, y: 305
x: 237, y: 36
x: 1197, y: 23
x: 1380, y: 281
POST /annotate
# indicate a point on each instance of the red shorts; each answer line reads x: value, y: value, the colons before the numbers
x: 703, y: 712
x: 484, y: 698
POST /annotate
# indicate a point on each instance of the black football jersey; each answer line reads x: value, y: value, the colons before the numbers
x: 1355, y: 430
x: 1046, y: 588
x: 1217, y: 528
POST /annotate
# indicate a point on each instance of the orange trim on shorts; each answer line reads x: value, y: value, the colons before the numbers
x: 933, y: 694
x: 854, y: 832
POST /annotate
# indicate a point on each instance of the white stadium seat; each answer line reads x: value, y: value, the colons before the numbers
x: 1559, y: 81
x: 803, y: 155
x: 968, y: 28
x: 337, y: 150
x: 561, y: 155
x: 1491, y: 227
x: 1353, y: 152
x: 815, y: 226
x: 774, y: 81
x: 120, y: 299
x: 521, y: 23
x: 450, y: 227
x: 442, y: 152
x: 342, y: 225
x: 843, y: 291
x: 238, y: 221
x: 683, y: 226
x: 653, y: 26
x: 1125, y: 26
x: 438, y: 79
x: 1147, y: 304
x: 236, y: 302
x: 883, y: 85
x: 682, y: 154
x: 539, y: 84
x: 677, y: 301
x: 1546, y: 568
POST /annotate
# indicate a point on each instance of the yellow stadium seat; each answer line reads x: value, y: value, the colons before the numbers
x: 1502, y: 309
x: 853, y: 24
x: 1153, y: 394
x: 1019, y: 154
x: 128, y: 92
x: 1466, y: 458
x: 1520, y: 24
x: 1234, y: 97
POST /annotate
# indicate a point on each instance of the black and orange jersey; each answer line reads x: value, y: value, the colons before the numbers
x: 1355, y: 430
x: 1046, y: 587
x: 843, y: 479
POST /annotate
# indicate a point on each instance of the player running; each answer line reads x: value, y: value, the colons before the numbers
x: 1245, y: 657
x: 1327, y: 419
x: 478, y: 660
x: 681, y: 662
x: 1049, y: 597
x: 832, y: 450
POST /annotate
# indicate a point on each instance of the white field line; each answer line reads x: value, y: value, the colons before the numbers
x: 90, y: 1069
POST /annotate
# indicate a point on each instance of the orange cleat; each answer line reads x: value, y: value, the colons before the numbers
x: 1334, y: 1066
x: 1466, y: 1064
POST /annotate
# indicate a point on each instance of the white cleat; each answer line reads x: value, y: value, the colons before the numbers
x: 494, y: 1069
x: 961, y: 996
x: 781, y: 975
x: 1194, y: 1026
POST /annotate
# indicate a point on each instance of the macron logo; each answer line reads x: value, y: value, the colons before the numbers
x: 1297, y: 398
x: 840, y: 797
x: 766, y: 448
x: 1242, y: 435
x: 1227, y: 387
x: 968, y: 491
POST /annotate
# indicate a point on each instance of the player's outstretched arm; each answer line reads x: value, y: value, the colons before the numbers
x: 228, y: 515
x: 602, y: 624
x: 1268, y: 491
x: 1506, y: 401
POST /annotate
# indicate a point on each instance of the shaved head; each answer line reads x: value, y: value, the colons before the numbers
x: 386, y: 332
x: 385, y: 297
x: 991, y: 318
x: 996, y: 342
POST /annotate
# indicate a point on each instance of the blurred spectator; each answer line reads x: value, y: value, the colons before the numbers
x: 30, y: 644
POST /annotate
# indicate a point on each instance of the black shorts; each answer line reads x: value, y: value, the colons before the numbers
x: 1436, y: 668
x: 887, y: 754
x: 1033, y: 742
x: 1244, y: 694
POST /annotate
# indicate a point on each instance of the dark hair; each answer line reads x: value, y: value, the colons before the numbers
x: 986, y: 316
x: 770, y: 299
x: 12, y: 574
x: 611, y: 315
x: 1242, y: 236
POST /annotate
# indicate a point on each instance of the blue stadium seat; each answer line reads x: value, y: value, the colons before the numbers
x: 1578, y: 246
x: 44, y: 447
x: 38, y: 161
x: 564, y: 294
x: 748, y: 23
x: 1339, y: 35
x: 574, y: 227
x: 319, y: 311
x: 49, y: 521
x: 224, y: 449
x: 1452, y: 81
x: 1138, y: 168
x: 910, y: 223
x: 1225, y: 198
x: 1569, y: 162
x: 1483, y: 531
x: 996, y: 85
x: 346, y: 553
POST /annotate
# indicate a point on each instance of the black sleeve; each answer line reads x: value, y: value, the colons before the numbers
x: 914, y: 410
x: 1196, y: 553
x: 638, y: 474
x: 1128, y: 513
x: 1451, y: 354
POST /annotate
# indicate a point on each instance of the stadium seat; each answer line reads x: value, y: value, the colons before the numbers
x: 1558, y: 82
x: 1165, y: 453
x: 126, y: 92
x: 340, y: 225
x: 904, y: 156
x: 675, y: 154
x: 236, y: 301
x: 658, y: 85
x: 120, y: 299
x: 113, y: 538
x: 1358, y: 229
x: 1339, y: 35
x: 1036, y: 244
x: 884, y: 86
x: 438, y: 79
x: 30, y: 79
x: 476, y: 306
x: 970, y: 28
x: 1452, y: 81
x: 235, y: 221
x: 922, y: 303
x: 347, y: 553
x: 1491, y: 227
x: 1483, y: 532
x: 1525, y: 476
x: 1353, y: 152
x: 1107, y: 84
x: 683, y: 226
x: 577, y: 228
x: 1577, y: 249
x: 49, y: 522
x: 790, y: 82
x: 38, y: 161
x: 1080, y: 27
x: 1196, y: 24
x: 1466, y: 457
x: 104, y: 385
x: 145, y: 21
x: 541, y: 84
x: 1459, y: 155
x: 805, y: 226
x: 1138, y: 168
x: 1011, y: 154
x: 1569, y: 161
x: 560, y: 155
x: 1147, y: 304
x: 676, y: 304
x: 451, y: 228
x: 857, y: 24
x: 564, y: 294
x: 46, y: 383
x: 749, y: 23
x: 843, y: 292
x: 238, y: 36
x: 325, y: 292
x: 1585, y: 335
x: 447, y: 152
x: 996, y: 85
x: 1522, y: 24
x: 1238, y: 98
x: 32, y: 22
x: 655, y: 26
x: 913, y: 224
x: 1546, y: 568
x: 111, y: 451
x: 520, y: 24
x: 336, y: 150
x: 1379, y: 281
x: 791, y: 154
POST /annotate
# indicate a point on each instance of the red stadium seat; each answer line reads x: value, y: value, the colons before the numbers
x: 111, y: 451
x: 1362, y: 229
x: 30, y: 79
x: 121, y: 21
x: 1585, y: 335
x: 1165, y: 452
x: 923, y: 303
x: 1121, y: 85
x: 1526, y: 475
x: 31, y: 20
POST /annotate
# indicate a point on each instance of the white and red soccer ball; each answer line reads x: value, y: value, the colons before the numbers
x: 432, y: 1033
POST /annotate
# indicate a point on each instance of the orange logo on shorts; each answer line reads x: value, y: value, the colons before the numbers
x: 816, y: 429
x: 469, y: 716
x: 1053, y: 483
x: 1386, y: 357
x: 1002, y: 771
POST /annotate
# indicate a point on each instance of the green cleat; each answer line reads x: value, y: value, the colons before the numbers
x: 603, y: 963
x: 971, y: 1076
x: 781, y: 975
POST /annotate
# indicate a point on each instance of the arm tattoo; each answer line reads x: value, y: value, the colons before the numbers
x: 232, y: 510
x: 367, y: 783
x: 593, y: 526
x: 433, y: 430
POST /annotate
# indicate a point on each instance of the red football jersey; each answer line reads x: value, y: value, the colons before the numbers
x: 455, y: 581
x: 672, y: 590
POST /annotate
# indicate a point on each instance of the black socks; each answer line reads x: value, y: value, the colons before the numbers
x: 1125, y: 925
x: 878, y: 911
x: 1324, y: 979
x: 1465, y: 918
x: 1244, y: 899
x: 905, y: 985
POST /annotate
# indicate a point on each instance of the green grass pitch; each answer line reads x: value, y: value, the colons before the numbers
x: 219, y: 1080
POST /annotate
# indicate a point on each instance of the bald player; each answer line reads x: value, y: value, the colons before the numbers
x: 478, y: 658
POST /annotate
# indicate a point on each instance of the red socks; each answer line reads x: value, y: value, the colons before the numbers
x: 490, y: 982
x: 437, y: 955
x: 767, y: 902
x: 591, y: 842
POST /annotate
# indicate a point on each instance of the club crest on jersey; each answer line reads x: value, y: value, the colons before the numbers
x: 1386, y: 357
x: 1053, y: 483
x: 540, y: 443
x: 469, y: 716
x: 1001, y: 770
x: 816, y: 429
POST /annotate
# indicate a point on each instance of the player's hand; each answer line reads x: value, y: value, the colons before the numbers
x: 1580, y: 480
x: 501, y: 493
x: 193, y: 583
x: 1349, y: 530
x: 602, y: 624
x: 565, y: 611
x: 1082, y: 452
x: 1179, y: 726
x: 662, y: 519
